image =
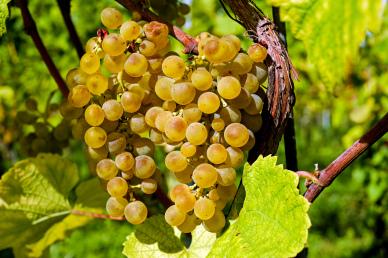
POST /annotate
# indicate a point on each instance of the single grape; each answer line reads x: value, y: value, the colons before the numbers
x: 156, y: 136
x: 163, y: 88
x: 169, y: 105
x: 115, y: 206
x: 183, y: 93
x: 156, y: 32
x: 161, y: 120
x: 216, y: 153
x: 116, y: 142
x: 130, y: 30
x: 79, y: 96
x: 242, y: 63
x: 205, y: 175
x: 95, y: 137
x: 68, y: 111
x: 125, y: 161
x: 136, y: 212
x: 213, y: 195
x: 189, y: 224
x: 179, y: 190
x: 188, y: 149
x: 75, y: 77
x: 236, y: 135
x: 234, y: 40
x: 149, y: 186
x: 144, y: 166
x: 151, y: 115
x: 208, y: 102
x: 202, y: 79
x: 131, y: 102
x: 114, y: 64
x: 242, y: 100
x: 113, y: 44
x: 215, y: 223
x: 175, y: 128
x: 227, y: 193
x: 174, y: 216
x: 137, y: 124
x: 117, y: 187
x: 175, y: 161
x: 261, y: 72
x: 204, y: 208
x: 218, y: 123
x: 185, y: 202
x: 191, y: 113
x: 143, y: 146
x: 255, y: 106
x: 97, y: 153
x: 184, y: 176
x: 235, y: 157
x: 111, y: 18
x: 257, y: 52
x: 93, y: 45
x: 136, y: 65
x: 112, y: 109
x: 173, y: 67
x: 226, y: 175
x: 89, y: 63
x: 216, y: 50
x: 127, y: 175
x: 97, y: 83
x: 106, y: 169
x: 94, y: 115
x: 230, y: 115
x: 147, y: 48
x: 251, y: 83
x: 196, y: 133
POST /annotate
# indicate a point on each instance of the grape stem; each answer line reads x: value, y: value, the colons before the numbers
x: 95, y: 215
x: 188, y: 41
x: 31, y: 29
x: 327, y: 175
x: 64, y: 6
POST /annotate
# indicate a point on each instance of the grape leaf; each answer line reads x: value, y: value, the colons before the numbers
x: 155, y: 238
x: 273, y: 221
x: 332, y: 31
x: 34, y: 206
x: 3, y: 15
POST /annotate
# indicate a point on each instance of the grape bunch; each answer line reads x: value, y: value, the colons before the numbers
x: 131, y: 94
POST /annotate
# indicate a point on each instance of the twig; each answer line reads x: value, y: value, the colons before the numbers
x: 327, y: 175
x: 30, y: 28
x: 95, y: 215
x: 64, y: 6
x: 289, y: 131
x: 189, y: 42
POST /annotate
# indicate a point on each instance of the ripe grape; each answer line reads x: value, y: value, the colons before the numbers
x: 94, y: 115
x: 183, y: 93
x: 216, y: 153
x: 218, y: 123
x: 242, y: 63
x: 226, y: 175
x: 185, y: 202
x: 208, y: 102
x: 149, y: 186
x: 163, y: 88
x: 98, y: 153
x: 116, y: 142
x: 213, y: 195
x: 137, y: 124
x: 93, y: 45
x: 196, y: 133
x: 79, y: 96
x: 235, y: 157
x: 95, y: 137
x: 230, y: 114
x: 236, y: 135
x: 144, y: 166
x: 115, y: 206
x: 113, y: 44
x: 205, y: 175
x: 75, y: 77
x: 257, y: 52
x: 227, y: 192
x: 179, y: 190
x: 114, y: 64
x: 130, y: 30
x: 106, y: 169
x: 136, y: 65
x: 251, y: 83
x: 117, y: 187
x: 169, y: 105
x: 97, y: 83
x: 125, y: 161
x: 189, y: 224
x: 255, y: 106
x: 161, y: 120
x: 112, y: 109
x: 147, y: 48
x: 173, y: 67
x: 67, y: 110
x: 204, y: 208
x: 135, y: 212
x: 184, y: 176
x: 202, y: 79
x: 175, y: 161
x: 175, y: 129
x: 188, y: 149
x: 174, y: 216
x: 111, y: 18
x: 215, y: 223
x: 151, y: 114
x: 191, y: 113
x: 131, y: 101
x: 228, y: 87
x: 89, y: 63
x: 242, y: 100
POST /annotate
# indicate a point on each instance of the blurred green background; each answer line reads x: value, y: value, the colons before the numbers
x: 338, y: 97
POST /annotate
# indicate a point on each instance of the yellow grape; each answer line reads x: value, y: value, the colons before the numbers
x: 148, y: 186
x: 144, y: 166
x: 111, y: 18
x: 94, y: 46
x: 208, y: 102
x: 218, y: 124
x: 76, y: 77
x: 227, y: 193
x: 136, y: 65
x: 97, y: 153
x: 151, y: 114
x: 155, y: 65
x: 226, y: 175
x: 156, y: 136
x: 106, y: 169
x: 236, y: 135
x: 242, y: 100
x: 178, y: 190
x: 202, y: 79
x: 97, y: 83
x: 137, y: 124
x: 215, y: 223
x: 255, y: 106
x: 136, y: 212
x: 205, y: 175
x: 196, y: 133
x: 189, y: 224
x: 161, y: 120
x: 115, y: 206
x: 125, y: 161
x: 147, y: 48
x: 95, y: 137
x: 184, y: 176
x: 213, y: 195
x: 79, y: 96
x: 114, y: 64
x: 130, y: 101
x: 230, y: 114
x: 204, y: 208
x: 251, y: 83
x: 188, y: 149
x: 228, y: 87
x: 257, y: 52
x: 216, y: 153
x: 185, y: 202
x: 143, y: 146
x: 235, y: 157
x: 89, y: 63
x: 130, y: 30
x: 112, y: 109
x: 183, y: 93
x: 173, y: 67
x: 117, y: 187
x: 163, y: 88
x: 234, y: 40
x: 191, y: 113
x: 94, y: 115
x: 216, y: 50
x: 157, y: 32
x: 242, y: 63
x: 174, y: 216
x: 169, y: 105
x: 175, y: 161
x: 175, y: 129
x: 113, y: 44
x: 254, y: 122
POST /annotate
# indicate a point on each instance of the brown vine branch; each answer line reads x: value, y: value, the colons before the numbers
x: 64, y: 6
x: 95, y: 215
x: 327, y: 175
x: 189, y: 42
x: 31, y: 29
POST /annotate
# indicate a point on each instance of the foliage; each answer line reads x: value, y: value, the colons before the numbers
x: 3, y: 16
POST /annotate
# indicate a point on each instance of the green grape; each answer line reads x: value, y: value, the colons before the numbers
x: 189, y: 224
x: 130, y: 30
x: 226, y: 175
x: 191, y: 113
x: 79, y: 96
x: 97, y: 83
x: 137, y: 124
x: 116, y: 142
x: 251, y: 83
x: 151, y: 115
x: 113, y: 44
x: 112, y: 109
x: 93, y: 46
x: 257, y: 52
x: 106, y: 169
x: 144, y: 166
x: 175, y: 161
x: 204, y: 208
x: 235, y: 157
x: 94, y: 115
x: 149, y: 186
x: 205, y: 175
x: 174, y: 67
x: 184, y: 176
x: 174, y: 216
x: 202, y: 79
x: 79, y: 128
x: 161, y: 120
x: 208, y: 102
x: 143, y: 146
x: 111, y: 18
x: 196, y: 133
x: 175, y: 129
x: 95, y: 137
x: 136, y: 212
x: 125, y: 161
x: 42, y: 130
x: 98, y: 153
x: 185, y: 202
x: 216, y: 153
x: 163, y: 88
x: 136, y: 65
x: 213, y: 195
x: 117, y: 187
x: 89, y: 63
x: 227, y: 193
x: 62, y: 131
x: 131, y: 102
x: 242, y: 100
x: 254, y: 122
x: 236, y: 135
x: 188, y: 150
x: 156, y: 136
x: 261, y: 72
x: 215, y: 223
x: 147, y: 48
x: 242, y: 63
x: 67, y: 111
x: 75, y: 77
x: 183, y: 93
x: 178, y: 190
x: 109, y: 126
x: 230, y: 114
x: 115, y: 206
x: 218, y: 123
x: 114, y: 64
x: 255, y: 106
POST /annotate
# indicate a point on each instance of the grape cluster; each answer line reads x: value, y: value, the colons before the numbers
x: 170, y: 10
x: 204, y: 111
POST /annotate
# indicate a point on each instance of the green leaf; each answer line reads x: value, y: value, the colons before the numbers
x: 155, y: 238
x: 273, y: 221
x: 3, y: 15
x: 332, y: 31
x: 34, y: 206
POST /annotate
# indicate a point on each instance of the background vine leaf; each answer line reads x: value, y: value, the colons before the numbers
x: 3, y: 15
x: 273, y: 221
